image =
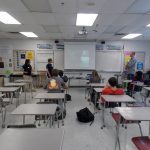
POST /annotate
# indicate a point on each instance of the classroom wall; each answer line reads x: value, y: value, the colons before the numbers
x: 29, y: 44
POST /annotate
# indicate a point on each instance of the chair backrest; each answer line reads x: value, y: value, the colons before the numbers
x: 22, y: 126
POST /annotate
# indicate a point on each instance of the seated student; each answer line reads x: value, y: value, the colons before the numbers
x: 54, y: 83
x: 137, y: 78
x: 95, y: 78
x: 64, y: 77
x: 111, y: 89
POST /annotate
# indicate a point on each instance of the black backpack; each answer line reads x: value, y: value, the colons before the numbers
x: 84, y: 115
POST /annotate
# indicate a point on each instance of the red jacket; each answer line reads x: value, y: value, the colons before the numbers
x: 111, y: 91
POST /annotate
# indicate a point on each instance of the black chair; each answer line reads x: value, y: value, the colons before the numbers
x: 22, y: 126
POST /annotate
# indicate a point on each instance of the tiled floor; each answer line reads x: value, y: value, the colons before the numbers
x: 79, y: 136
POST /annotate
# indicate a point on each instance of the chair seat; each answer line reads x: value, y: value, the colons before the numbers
x: 142, y: 143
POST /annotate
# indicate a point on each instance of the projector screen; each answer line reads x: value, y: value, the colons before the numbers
x: 79, y: 56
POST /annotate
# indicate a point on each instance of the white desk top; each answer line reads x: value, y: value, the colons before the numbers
x: 11, y: 84
x: 97, y: 84
x: 35, y: 109
x: 147, y: 88
x: 8, y: 89
x: 31, y: 139
x: 23, y: 81
x: 127, y: 81
x: 118, y: 98
x: 50, y: 96
x: 135, y: 113
x: 1, y: 95
x: 98, y: 90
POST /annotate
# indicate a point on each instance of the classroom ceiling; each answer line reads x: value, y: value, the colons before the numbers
x: 56, y: 19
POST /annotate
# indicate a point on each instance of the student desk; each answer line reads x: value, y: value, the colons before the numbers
x: 36, y: 109
x: 11, y: 90
x: 53, y: 96
x: 133, y: 114
x: 21, y: 85
x: 29, y: 82
x: 32, y: 139
x: 114, y: 98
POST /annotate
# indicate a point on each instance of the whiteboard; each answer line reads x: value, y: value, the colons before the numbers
x: 59, y: 59
x: 109, y: 61
x: 42, y: 57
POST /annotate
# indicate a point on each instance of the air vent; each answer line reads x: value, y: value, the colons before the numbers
x: 119, y: 34
x: 14, y: 32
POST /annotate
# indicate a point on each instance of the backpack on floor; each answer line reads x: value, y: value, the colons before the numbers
x: 68, y: 97
x: 84, y: 115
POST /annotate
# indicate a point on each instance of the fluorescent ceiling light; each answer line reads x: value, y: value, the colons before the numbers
x: 85, y: 19
x: 131, y: 36
x: 29, y: 34
x: 148, y: 25
x: 7, y: 18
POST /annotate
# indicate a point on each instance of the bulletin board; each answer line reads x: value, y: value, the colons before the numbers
x: 19, y: 57
x: 139, y: 56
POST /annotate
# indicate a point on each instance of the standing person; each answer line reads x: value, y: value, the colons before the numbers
x: 130, y: 67
x: 27, y: 72
x: 49, y: 68
x: 27, y: 69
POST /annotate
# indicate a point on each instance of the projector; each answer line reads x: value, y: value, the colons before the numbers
x: 83, y: 31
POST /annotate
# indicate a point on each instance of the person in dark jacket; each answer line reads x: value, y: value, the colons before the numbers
x: 49, y: 68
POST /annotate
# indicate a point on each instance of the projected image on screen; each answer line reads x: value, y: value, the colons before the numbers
x: 80, y: 56
x: 85, y: 60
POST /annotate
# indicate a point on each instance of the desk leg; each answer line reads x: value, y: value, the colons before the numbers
x: 50, y: 121
x: 117, y: 137
x: 149, y: 130
x: 23, y: 119
x: 62, y: 109
x: 103, y: 117
x: 25, y: 94
x: 57, y: 118
x: 3, y: 116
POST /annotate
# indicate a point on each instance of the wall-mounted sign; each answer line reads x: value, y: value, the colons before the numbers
x: 44, y: 46
x: 139, y: 66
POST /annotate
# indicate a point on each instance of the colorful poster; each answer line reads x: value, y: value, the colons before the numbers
x: 30, y: 55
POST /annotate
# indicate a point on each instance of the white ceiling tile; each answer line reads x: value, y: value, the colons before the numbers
x: 12, y: 5
x: 44, y: 18
x: 126, y: 19
x: 65, y: 18
x: 51, y: 29
x: 139, y: 6
x: 113, y: 29
x: 67, y: 29
x: 51, y: 35
x: 70, y: 6
x: 106, y: 19
x: 42, y: 6
x: 88, y: 6
x: 116, y: 6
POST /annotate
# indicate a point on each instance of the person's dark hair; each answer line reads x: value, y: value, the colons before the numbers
x: 27, y: 61
x: 50, y: 60
x: 54, y: 73
x: 112, y: 81
x: 61, y: 73
x: 139, y: 75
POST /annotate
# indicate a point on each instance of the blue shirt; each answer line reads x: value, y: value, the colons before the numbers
x: 131, y: 66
